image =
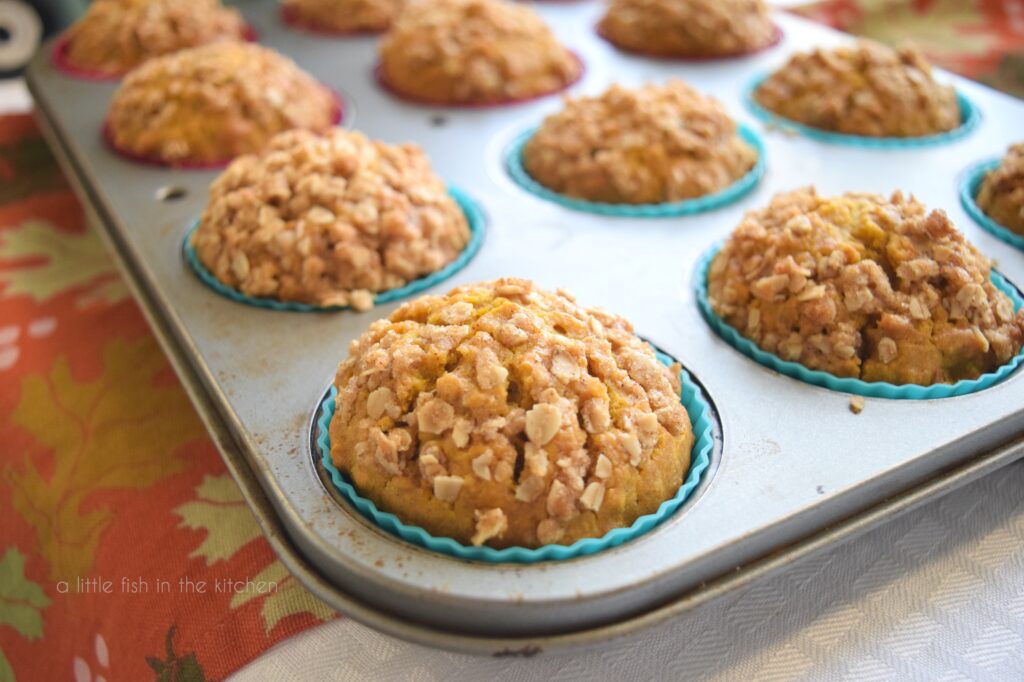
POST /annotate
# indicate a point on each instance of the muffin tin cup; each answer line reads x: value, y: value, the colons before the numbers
x: 386, y: 85
x: 777, y: 37
x: 969, y: 190
x: 288, y: 17
x: 59, y: 58
x: 970, y: 116
x: 108, y: 139
x: 474, y: 216
x: 692, y: 398
x: 517, y: 170
x: 872, y: 389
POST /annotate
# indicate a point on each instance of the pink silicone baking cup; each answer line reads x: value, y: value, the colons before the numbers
x: 59, y: 57
x: 378, y: 74
x: 776, y: 39
x: 288, y: 18
x: 339, y: 115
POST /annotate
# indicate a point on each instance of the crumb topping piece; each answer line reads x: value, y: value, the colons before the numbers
x: 447, y: 421
x: 651, y: 144
x: 330, y: 220
x: 474, y: 51
x: 865, y: 89
x: 343, y: 16
x: 863, y: 286
x: 688, y: 28
x: 212, y: 103
x: 115, y: 36
x: 1001, y: 194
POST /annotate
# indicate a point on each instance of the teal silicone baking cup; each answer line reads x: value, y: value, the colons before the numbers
x: 969, y: 190
x: 474, y: 216
x: 871, y: 389
x: 517, y: 171
x: 696, y: 406
x: 969, y: 119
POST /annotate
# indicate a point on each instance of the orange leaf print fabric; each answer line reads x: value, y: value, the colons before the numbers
x: 126, y: 550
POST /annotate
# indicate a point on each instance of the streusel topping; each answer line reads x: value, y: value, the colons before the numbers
x: 1001, y: 195
x: 646, y: 145
x: 473, y: 51
x: 212, y: 103
x: 114, y: 36
x: 343, y: 16
x: 328, y: 220
x: 505, y: 415
x: 863, y: 286
x: 866, y: 89
x: 689, y: 28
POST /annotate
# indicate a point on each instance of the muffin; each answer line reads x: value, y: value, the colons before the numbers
x: 1001, y: 195
x: 867, y: 89
x: 209, y: 104
x: 689, y: 28
x: 473, y: 52
x: 638, y: 146
x: 505, y: 415
x: 328, y: 220
x: 342, y: 16
x: 865, y: 287
x: 115, y: 36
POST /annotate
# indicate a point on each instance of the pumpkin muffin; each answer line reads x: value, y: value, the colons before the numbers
x: 636, y: 146
x: 115, y: 36
x: 505, y: 415
x: 865, y: 287
x: 689, y: 28
x: 328, y: 220
x: 342, y: 16
x: 209, y: 104
x: 865, y: 89
x: 1001, y: 195
x: 473, y: 52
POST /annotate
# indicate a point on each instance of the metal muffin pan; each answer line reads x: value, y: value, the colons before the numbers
x: 793, y: 469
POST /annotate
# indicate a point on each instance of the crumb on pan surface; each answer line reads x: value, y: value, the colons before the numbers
x: 328, y: 220
x: 209, y: 104
x: 651, y: 144
x: 866, y: 89
x: 343, y: 16
x: 863, y: 286
x: 1001, y: 194
x: 473, y: 52
x: 114, y: 36
x: 689, y: 28
x: 506, y: 415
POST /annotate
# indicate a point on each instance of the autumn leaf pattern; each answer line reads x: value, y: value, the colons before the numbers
x: 220, y: 510
x: 22, y: 603
x: 119, y: 431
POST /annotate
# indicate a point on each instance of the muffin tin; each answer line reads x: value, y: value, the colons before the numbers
x: 793, y: 468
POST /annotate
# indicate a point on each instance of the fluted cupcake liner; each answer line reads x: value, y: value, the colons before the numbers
x: 871, y: 389
x: 970, y: 117
x: 700, y: 418
x: 474, y: 216
x: 709, y: 202
x: 969, y: 190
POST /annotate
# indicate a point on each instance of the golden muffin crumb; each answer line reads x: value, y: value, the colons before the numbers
x: 860, y: 286
x: 343, y: 16
x: 866, y: 89
x: 115, y: 36
x: 634, y: 146
x: 209, y: 104
x: 689, y: 28
x: 328, y: 220
x: 473, y: 52
x: 1001, y: 195
x: 856, y: 404
x: 506, y: 415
